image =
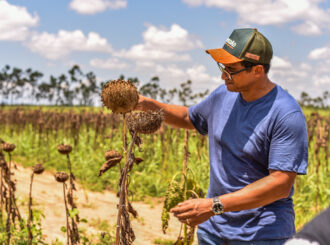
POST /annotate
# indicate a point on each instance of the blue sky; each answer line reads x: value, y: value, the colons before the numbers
x: 145, y: 38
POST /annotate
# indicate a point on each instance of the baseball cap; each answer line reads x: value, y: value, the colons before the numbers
x: 244, y: 44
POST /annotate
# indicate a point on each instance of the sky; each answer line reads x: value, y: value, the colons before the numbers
x: 168, y: 39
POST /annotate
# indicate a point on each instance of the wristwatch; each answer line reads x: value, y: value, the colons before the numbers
x: 217, y: 206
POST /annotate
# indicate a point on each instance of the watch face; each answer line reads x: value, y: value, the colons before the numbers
x: 217, y: 208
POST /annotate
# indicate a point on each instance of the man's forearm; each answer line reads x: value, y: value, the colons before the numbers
x: 174, y: 115
x: 269, y: 189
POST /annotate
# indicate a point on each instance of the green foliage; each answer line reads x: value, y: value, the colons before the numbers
x: 73, y: 212
x: 162, y: 159
x: 173, y: 197
x: 19, y: 232
x: 176, y: 194
x: 163, y: 241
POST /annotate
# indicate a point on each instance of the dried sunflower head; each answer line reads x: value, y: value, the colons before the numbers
x: 113, y: 158
x: 38, y: 168
x: 111, y: 154
x: 145, y: 122
x: 119, y: 96
x: 61, y: 177
x: 8, y: 147
x: 64, y: 149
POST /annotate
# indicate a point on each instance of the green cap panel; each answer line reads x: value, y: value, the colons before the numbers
x: 258, y: 50
x: 237, y: 41
x: 249, y: 44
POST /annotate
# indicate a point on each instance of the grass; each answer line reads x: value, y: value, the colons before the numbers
x: 163, y: 241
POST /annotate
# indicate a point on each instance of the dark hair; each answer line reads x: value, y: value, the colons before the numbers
x: 248, y: 64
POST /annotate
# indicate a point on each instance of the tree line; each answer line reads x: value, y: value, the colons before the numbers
x: 18, y: 86
x: 317, y: 102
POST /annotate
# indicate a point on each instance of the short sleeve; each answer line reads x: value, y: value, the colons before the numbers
x: 289, y: 144
x: 199, y: 114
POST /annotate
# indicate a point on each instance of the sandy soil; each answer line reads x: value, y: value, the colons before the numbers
x: 94, y: 206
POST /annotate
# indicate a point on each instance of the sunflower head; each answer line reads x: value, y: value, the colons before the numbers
x: 145, y: 122
x: 119, y: 96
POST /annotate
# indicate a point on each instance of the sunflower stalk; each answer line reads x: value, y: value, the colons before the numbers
x: 124, y: 232
x: 184, y: 178
x: 30, y: 212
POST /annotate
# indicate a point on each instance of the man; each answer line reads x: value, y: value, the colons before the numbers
x: 257, y: 145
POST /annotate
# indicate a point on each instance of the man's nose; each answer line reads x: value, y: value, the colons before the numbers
x: 224, y: 76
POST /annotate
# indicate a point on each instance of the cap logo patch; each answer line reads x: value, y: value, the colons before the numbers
x: 252, y: 56
x: 230, y: 43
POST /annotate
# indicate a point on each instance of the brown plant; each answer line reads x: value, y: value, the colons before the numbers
x: 64, y: 149
x: 119, y: 96
x: 37, y: 169
x: 61, y: 177
x: 113, y: 158
x: 8, y: 147
x: 145, y: 122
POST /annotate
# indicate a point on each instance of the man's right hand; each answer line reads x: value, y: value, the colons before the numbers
x: 174, y: 115
x: 145, y: 104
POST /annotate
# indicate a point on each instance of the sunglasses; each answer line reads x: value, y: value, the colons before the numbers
x: 230, y: 74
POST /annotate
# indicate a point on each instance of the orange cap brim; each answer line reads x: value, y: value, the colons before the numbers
x: 222, y: 56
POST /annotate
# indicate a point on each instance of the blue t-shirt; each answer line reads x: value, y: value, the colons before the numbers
x: 246, y: 140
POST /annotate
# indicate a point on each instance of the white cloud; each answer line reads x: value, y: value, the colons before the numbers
x: 305, y: 66
x: 280, y: 63
x: 15, y: 22
x: 142, y: 52
x: 301, y: 77
x: 96, y: 6
x: 53, y: 46
x: 320, y: 53
x: 162, y: 44
x: 274, y: 12
x: 172, y: 75
x: 308, y: 28
x: 112, y: 63
x: 322, y: 80
x: 322, y: 58
x: 198, y: 74
x: 170, y: 71
x: 175, y: 39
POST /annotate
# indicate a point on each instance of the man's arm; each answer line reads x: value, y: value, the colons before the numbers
x: 275, y: 186
x: 269, y: 189
x: 174, y: 115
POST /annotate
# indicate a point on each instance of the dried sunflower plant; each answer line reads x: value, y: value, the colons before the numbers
x: 73, y: 226
x: 8, y: 188
x: 122, y: 97
x: 62, y: 177
x: 37, y: 169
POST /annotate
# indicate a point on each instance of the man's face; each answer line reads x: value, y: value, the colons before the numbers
x: 239, y: 82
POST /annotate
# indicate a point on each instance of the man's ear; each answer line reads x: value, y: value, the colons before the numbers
x: 258, y: 69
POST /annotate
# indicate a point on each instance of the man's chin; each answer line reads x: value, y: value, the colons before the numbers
x: 231, y: 87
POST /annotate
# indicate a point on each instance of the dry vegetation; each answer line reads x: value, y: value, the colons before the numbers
x: 132, y: 170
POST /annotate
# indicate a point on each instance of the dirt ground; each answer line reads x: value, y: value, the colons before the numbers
x: 97, y: 208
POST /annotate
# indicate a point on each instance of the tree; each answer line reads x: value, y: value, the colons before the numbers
x: 186, y: 95
x: 15, y: 83
x: 151, y: 89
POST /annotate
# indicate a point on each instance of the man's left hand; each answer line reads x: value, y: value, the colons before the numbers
x: 194, y: 211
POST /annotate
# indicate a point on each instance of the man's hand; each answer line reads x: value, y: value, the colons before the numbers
x: 174, y: 115
x: 145, y: 104
x: 194, y: 211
